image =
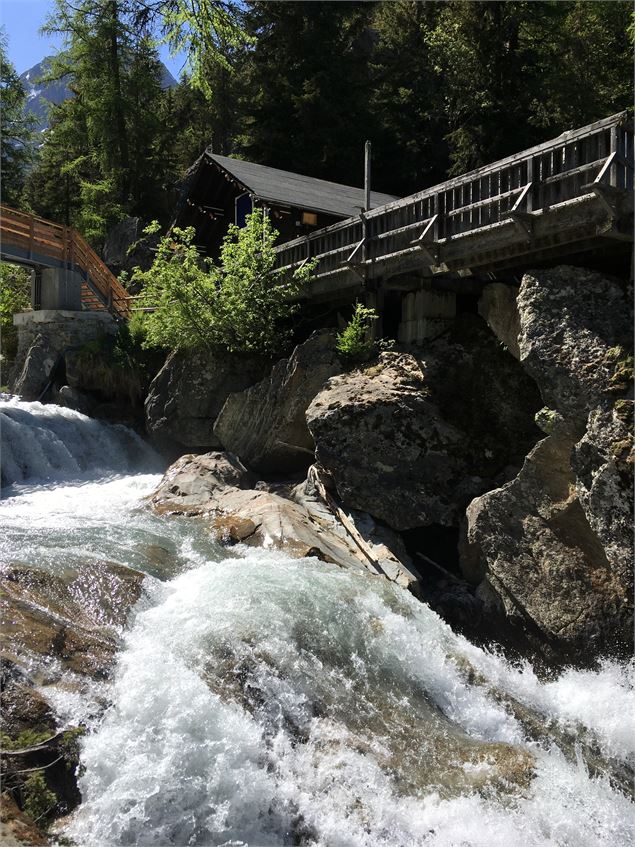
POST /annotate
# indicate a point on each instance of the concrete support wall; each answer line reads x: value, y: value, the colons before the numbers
x: 61, y: 289
x: 44, y: 336
x: 425, y: 314
x: 375, y: 300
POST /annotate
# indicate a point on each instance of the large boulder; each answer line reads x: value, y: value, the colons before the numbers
x: 553, y: 548
x: 414, y: 436
x: 542, y: 565
x: 574, y: 334
x: 300, y: 521
x: 36, y: 369
x: 497, y: 307
x: 266, y: 424
x: 602, y: 462
x: 189, y: 391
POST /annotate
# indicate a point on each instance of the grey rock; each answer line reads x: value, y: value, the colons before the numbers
x: 36, y: 369
x: 602, y: 462
x: 497, y: 307
x: 194, y: 482
x: 126, y: 247
x: 574, y: 325
x: 46, y: 335
x: 553, y: 548
x: 414, y: 436
x: 219, y: 489
x: 543, y: 567
x: 266, y: 424
x: 71, y: 398
x: 189, y: 391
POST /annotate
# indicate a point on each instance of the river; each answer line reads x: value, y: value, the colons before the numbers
x: 262, y: 700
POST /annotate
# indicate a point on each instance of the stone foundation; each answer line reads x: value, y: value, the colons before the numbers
x: 43, y: 336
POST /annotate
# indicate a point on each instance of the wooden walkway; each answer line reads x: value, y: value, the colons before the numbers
x: 28, y: 240
x: 559, y: 197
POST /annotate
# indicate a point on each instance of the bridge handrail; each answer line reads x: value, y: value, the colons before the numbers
x: 530, y: 181
x: 66, y: 245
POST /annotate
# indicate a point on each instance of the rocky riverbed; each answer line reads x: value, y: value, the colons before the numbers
x: 487, y: 473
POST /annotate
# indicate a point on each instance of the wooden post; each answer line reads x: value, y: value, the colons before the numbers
x: 367, y: 148
x: 613, y: 171
x: 529, y: 202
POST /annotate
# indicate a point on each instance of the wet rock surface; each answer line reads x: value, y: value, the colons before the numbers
x: 266, y: 424
x: 414, y: 436
x: 52, y: 625
x: 553, y: 548
x: 189, y: 391
x: 74, y: 619
x: 299, y: 520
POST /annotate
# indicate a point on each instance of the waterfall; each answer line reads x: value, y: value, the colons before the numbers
x: 47, y: 442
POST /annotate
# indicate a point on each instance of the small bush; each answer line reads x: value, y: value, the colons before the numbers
x: 354, y: 342
x: 39, y: 800
x: 15, y: 296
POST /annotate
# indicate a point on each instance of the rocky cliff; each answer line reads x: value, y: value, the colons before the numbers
x: 552, y: 549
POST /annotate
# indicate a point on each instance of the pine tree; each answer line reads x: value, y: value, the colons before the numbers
x: 308, y: 86
x: 104, y: 144
x: 16, y: 133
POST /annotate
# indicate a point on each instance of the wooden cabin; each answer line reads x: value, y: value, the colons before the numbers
x: 220, y: 190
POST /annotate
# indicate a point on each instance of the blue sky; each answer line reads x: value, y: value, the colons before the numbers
x: 21, y: 20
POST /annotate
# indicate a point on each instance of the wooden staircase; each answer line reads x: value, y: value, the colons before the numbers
x: 29, y: 240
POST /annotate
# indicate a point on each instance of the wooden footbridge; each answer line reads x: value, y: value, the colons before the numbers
x: 565, y: 196
x: 37, y: 243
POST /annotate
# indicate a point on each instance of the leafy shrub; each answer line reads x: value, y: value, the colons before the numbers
x: 354, y: 342
x: 15, y: 296
x: 39, y: 800
x: 241, y: 304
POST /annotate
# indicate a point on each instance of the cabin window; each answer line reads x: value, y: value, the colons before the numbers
x: 309, y: 218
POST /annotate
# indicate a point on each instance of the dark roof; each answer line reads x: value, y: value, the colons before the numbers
x: 303, y: 192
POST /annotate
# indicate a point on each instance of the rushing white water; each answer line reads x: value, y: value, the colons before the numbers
x: 260, y: 700
x: 47, y: 442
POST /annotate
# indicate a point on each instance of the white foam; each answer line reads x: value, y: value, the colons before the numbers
x: 180, y: 759
x: 264, y: 701
x: 42, y: 443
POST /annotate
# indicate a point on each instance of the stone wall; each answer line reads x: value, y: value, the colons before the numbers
x: 43, y: 336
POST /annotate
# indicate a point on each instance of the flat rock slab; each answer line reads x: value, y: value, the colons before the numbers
x: 218, y: 488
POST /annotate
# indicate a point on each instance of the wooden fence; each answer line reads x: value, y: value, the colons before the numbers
x: 575, y: 164
x: 35, y: 241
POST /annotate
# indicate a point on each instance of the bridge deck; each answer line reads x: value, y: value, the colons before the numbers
x: 28, y: 240
x: 563, y: 195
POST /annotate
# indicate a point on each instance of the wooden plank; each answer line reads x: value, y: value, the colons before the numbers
x: 496, y: 198
x: 580, y: 169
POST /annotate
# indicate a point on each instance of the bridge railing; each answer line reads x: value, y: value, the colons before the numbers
x: 34, y: 237
x: 531, y: 181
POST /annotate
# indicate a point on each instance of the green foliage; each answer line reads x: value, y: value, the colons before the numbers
x: 15, y: 296
x: 239, y: 304
x: 16, y: 132
x: 435, y: 86
x: 209, y: 32
x: 307, y: 88
x: 354, y: 342
x: 27, y: 738
x: 39, y: 800
x: 115, y: 366
x: 106, y: 154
